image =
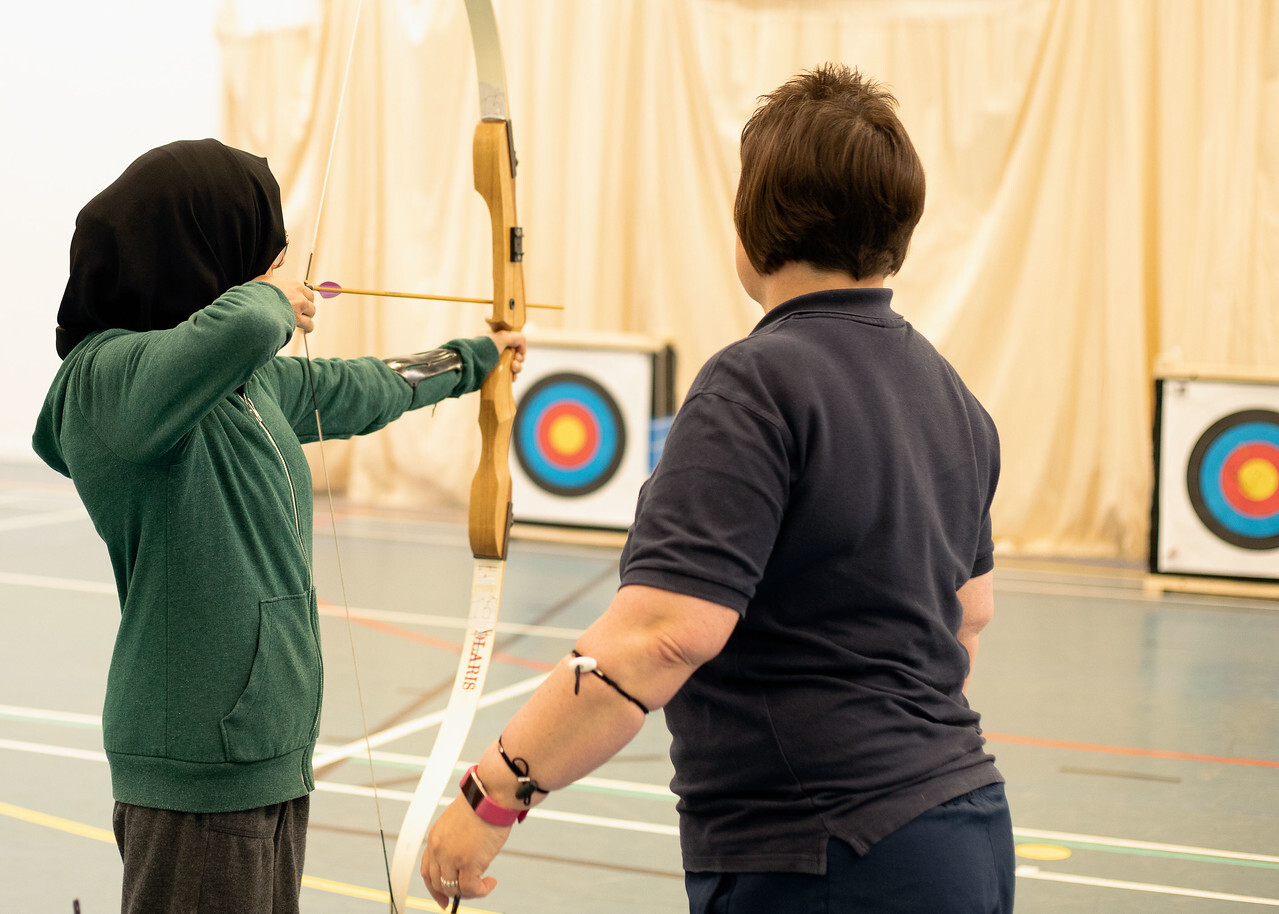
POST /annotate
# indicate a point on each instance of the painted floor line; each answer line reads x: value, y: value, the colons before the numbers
x: 1027, y: 872
x: 49, y: 583
x: 1142, y: 845
x: 357, y: 748
x: 453, y: 622
x: 395, y: 759
x: 88, y: 755
x: 43, y: 715
x: 588, y: 783
x: 349, y: 890
x: 45, y: 582
x: 444, y: 644
x: 381, y: 896
x: 106, y: 836
x: 1103, y: 749
x: 326, y: 754
x: 1034, y: 872
x: 550, y: 815
x: 48, y: 518
x: 45, y: 820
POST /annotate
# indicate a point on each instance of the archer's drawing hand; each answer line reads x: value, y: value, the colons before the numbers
x: 300, y: 297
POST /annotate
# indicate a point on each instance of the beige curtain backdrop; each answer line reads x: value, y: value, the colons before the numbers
x: 1103, y: 194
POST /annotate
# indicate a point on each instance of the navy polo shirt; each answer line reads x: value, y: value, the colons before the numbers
x: 829, y: 477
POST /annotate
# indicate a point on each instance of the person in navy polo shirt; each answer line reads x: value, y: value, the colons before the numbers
x: 807, y: 576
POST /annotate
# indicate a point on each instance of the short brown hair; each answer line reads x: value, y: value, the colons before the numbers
x: 829, y: 177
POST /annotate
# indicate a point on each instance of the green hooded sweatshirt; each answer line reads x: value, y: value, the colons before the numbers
x: 185, y: 445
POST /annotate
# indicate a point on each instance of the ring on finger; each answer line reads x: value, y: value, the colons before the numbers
x: 449, y: 883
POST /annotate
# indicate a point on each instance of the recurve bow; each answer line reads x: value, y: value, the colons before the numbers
x: 493, y: 152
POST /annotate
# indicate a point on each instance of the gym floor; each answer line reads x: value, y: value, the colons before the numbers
x: 1137, y: 731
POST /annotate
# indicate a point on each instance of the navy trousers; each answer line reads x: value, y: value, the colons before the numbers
x: 957, y: 858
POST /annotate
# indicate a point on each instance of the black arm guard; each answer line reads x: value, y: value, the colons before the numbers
x: 418, y: 367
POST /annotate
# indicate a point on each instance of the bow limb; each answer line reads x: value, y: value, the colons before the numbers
x: 493, y: 152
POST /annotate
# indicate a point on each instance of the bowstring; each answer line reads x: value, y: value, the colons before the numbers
x: 324, y: 465
x: 333, y: 139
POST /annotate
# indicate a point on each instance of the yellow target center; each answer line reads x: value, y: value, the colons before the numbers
x: 1258, y: 479
x: 567, y: 435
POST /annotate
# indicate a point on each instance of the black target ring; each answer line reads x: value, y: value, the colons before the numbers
x: 1232, y: 479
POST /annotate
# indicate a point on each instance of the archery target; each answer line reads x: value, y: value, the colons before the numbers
x: 583, y: 429
x: 569, y: 434
x: 1217, y: 490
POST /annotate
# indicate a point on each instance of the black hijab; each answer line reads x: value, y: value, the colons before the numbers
x: 184, y: 223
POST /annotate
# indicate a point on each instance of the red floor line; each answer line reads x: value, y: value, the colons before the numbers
x: 441, y: 643
x: 1127, y: 750
x: 540, y: 666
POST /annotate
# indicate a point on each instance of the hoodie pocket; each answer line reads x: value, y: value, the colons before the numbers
x: 279, y: 710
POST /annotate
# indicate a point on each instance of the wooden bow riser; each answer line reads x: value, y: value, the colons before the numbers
x: 490, y: 504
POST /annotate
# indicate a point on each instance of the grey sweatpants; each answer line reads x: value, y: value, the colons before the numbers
x: 233, y: 862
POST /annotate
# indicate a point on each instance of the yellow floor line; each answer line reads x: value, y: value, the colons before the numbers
x: 48, y: 821
x: 309, y: 882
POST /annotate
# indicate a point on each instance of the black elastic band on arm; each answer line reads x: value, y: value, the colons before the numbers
x: 578, y: 669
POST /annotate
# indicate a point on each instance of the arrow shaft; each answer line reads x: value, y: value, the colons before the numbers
x: 421, y: 295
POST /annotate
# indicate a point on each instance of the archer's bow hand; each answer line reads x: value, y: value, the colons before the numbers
x: 516, y: 342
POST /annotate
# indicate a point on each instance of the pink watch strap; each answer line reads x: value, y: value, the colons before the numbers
x: 486, y: 809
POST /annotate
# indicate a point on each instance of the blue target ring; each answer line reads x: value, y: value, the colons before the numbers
x: 1243, y: 515
x: 569, y: 435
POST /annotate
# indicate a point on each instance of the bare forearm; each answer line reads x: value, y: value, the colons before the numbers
x: 561, y: 736
x: 572, y: 724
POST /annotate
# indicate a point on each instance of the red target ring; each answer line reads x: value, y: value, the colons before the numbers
x: 568, y: 432
x: 1249, y: 479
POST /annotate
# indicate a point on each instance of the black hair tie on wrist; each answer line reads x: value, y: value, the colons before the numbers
x: 528, y: 786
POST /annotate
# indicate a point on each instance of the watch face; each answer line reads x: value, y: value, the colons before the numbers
x: 471, y: 789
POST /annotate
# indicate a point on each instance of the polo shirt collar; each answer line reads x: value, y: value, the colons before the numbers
x: 874, y: 304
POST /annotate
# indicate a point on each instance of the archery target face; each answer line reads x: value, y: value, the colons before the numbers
x: 1218, y: 485
x: 569, y: 434
x: 581, y: 435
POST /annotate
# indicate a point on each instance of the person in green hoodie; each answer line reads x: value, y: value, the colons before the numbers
x: 182, y: 430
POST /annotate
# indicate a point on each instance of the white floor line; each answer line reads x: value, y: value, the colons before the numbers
x: 44, y: 715
x: 458, y: 622
x: 1034, y: 872
x: 45, y: 582
x: 1142, y: 845
x: 88, y: 755
x: 26, y: 521
x: 611, y: 785
x: 13, y: 579
x: 357, y: 790
x: 550, y: 815
x: 357, y: 747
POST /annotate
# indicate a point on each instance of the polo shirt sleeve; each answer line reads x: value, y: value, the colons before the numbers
x: 707, y: 519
